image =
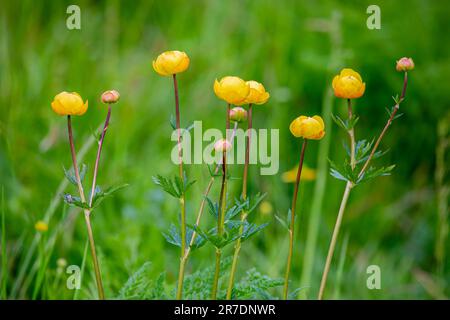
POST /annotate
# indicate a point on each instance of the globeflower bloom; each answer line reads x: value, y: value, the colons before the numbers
x: 41, y: 226
x: 233, y: 90
x: 258, y: 94
x: 171, y: 62
x: 405, y: 64
x: 110, y: 96
x: 308, y: 127
x: 348, y: 84
x: 238, y: 114
x: 69, y: 104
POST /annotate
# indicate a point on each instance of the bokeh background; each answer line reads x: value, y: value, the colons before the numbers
x: 399, y: 222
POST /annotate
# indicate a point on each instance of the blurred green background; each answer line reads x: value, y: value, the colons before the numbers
x: 397, y: 222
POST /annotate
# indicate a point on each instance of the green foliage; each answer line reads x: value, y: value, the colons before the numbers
x: 175, y: 187
x: 140, y: 287
x: 99, y: 196
x: 347, y: 124
x: 255, y: 286
x: 70, y: 174
x: 173, y: 236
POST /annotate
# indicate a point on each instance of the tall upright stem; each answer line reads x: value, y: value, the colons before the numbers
x: 337, y: 227
x: 87, y: 213
x: 348, y: 188
x: 388, y: 124
x: 221, y: 211
x: 292, y: 223
x: 237, y: 247
x: 182, y: 198
x: 99, y: 151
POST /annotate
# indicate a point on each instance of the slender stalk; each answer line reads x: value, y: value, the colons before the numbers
x: 183, y: 198
x: 237, y: 247
x: 4, y: 273
x: 388, y: 124
x: 337, y: 226
x: 99, y: 151
x: 87, y: 213
x: 221, y: 211
x: 202, y: 207
x: 291, y: 229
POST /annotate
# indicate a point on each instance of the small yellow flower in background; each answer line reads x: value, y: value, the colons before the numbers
x: 233, y: 90
x: 258, y: 94
x: 405, y: 64
x: 110, y: 96
x: 69, y: 104
x: 308, y: 128
x: 308, y: 174
x: 348, y: 84
x: 265, y: 208
x: 61, y: 263
x: 238, y: 114
x: 171, y: 62
x: 41, y: 226
x: 222, y: 145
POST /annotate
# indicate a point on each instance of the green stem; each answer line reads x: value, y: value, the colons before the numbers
x: 292, y: 223
x: 237, y: 247
x: 222, y: 211
x: 87, y: 213
x: 183, y: 197
x: 348, y: 188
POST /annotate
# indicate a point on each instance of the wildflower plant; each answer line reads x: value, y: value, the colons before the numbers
x: 308, y: 128
x: 356, y: 170
x: 71, y: 104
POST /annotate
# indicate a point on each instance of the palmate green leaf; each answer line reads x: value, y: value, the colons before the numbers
x: 373, y: 172
x: 70, y: 174
x: 344, y: 173
x: 255, y: 286
x: 74, y: 201
x: 167, y: 185
x: 175, y: 187
x: 140, y: 286
x: 345, y: 124
x: 250, y: 229
x: 100, y: 195
x: 173, y: 236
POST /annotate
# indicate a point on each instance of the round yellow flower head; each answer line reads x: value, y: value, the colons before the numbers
x: 348, y: 84
x: 405, y: 64
x: 69, y: 104
x: 110, y: 96
x: 258, y: 94
x: 41, y: 226
x: 171, y: 62
x: 222, y: 145
x: 308, y: 128
x: 238, y: 114
x: 233, y: 90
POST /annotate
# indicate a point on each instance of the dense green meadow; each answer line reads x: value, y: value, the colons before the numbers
x: 398, y: 222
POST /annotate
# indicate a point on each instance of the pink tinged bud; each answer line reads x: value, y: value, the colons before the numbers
x: 222, y: 145
x: 405, y: 64
x: 238, y: 114
x: 110, y: 96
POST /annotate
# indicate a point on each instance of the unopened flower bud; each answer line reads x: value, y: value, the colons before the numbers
x: 222, y: 145
x: 238, y: 114
x: 405, y: 64
x: 110, y: 96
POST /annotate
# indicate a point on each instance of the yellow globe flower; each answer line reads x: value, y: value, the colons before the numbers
x: 233, y: 90
x: 41, y: 226
x: 308, y: 128
x: 258, y: 94
x: 308, y: 174
x: 171, y: 62
x: 69, y: 104
x: 348, y: 84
